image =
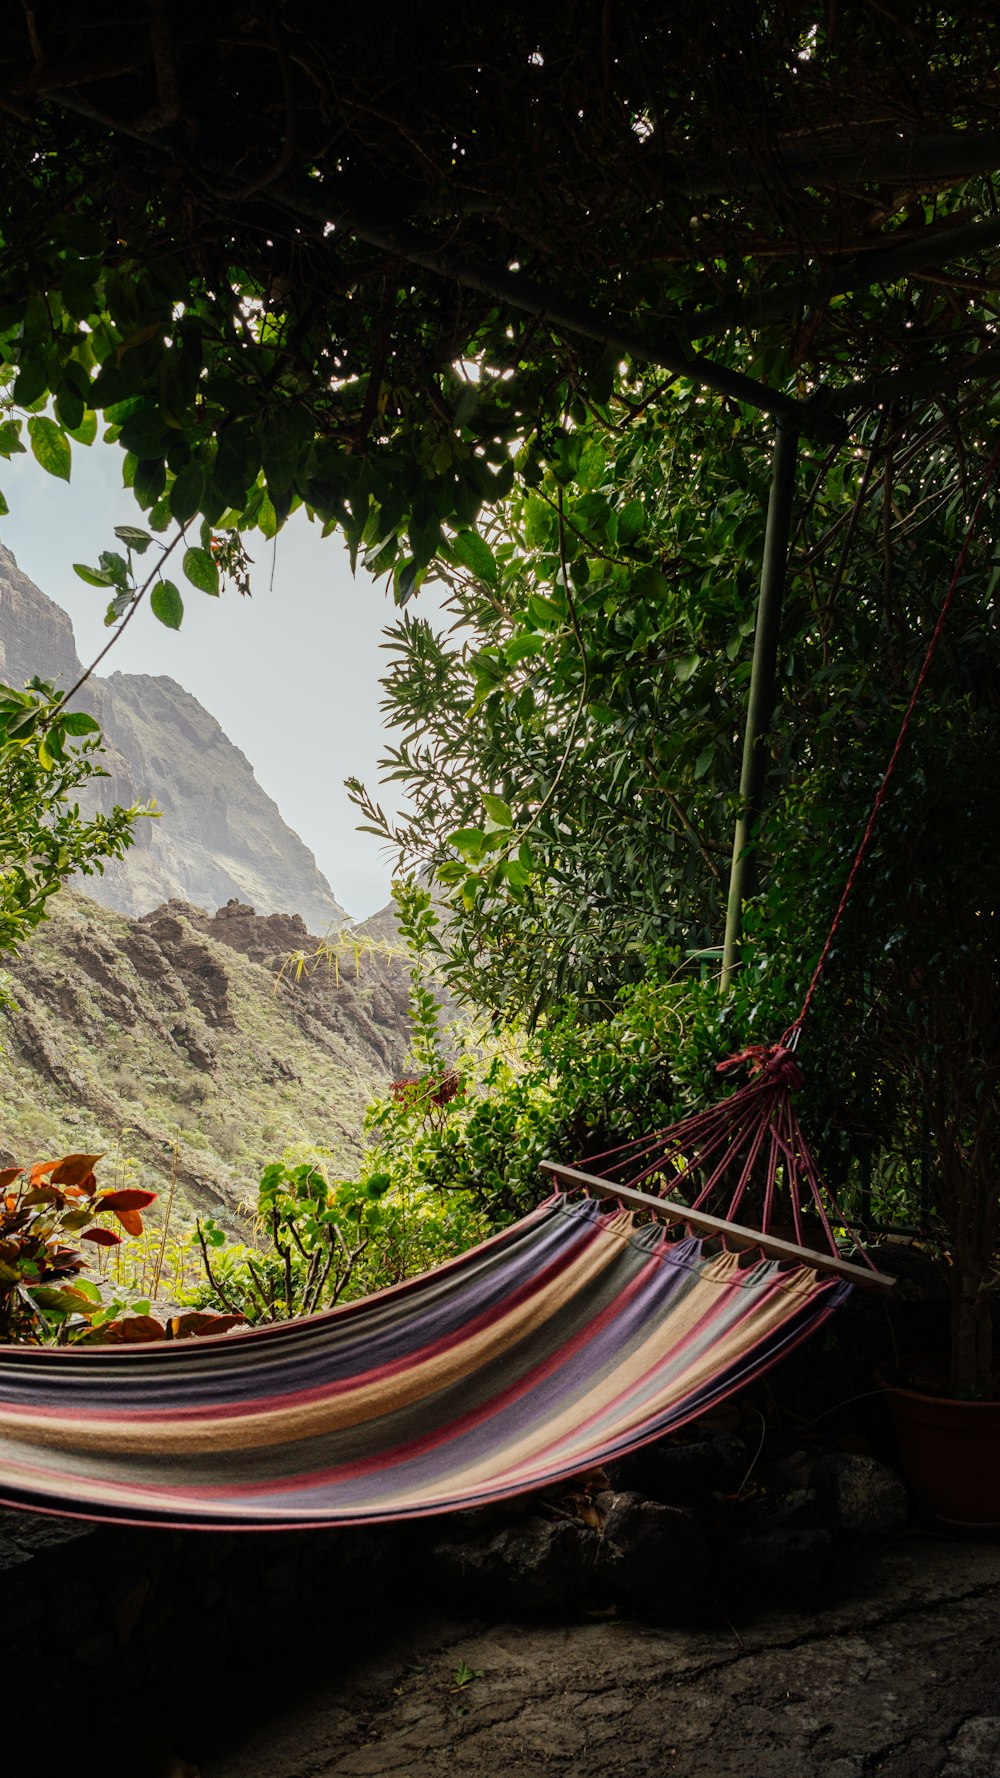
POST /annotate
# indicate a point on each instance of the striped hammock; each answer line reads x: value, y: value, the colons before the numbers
x: 567, y: 1340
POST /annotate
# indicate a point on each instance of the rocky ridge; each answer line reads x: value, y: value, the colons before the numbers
x: 219, y: 834
x: 178, y: 1045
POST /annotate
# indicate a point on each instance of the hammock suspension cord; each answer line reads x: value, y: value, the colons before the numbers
x: 749, y: 1149
x: 881, y: 793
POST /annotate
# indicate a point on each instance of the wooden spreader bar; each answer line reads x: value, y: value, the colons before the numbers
x: 735, y: 1232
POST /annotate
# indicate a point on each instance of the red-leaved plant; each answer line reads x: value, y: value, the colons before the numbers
x: 44, y: 1213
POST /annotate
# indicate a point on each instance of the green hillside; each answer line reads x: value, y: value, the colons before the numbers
x: 172, y: 1044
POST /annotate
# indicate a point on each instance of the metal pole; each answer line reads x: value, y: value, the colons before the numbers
x: 760, y: 703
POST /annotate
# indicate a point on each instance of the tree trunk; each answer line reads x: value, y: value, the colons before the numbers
x: 971, y: 1331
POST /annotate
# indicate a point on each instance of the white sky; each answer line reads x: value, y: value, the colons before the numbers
x: 291, y: 673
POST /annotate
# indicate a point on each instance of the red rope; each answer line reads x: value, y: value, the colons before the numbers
x: 881, y: 793
x: 733, y: 1133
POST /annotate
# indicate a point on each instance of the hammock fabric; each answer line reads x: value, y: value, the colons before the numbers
x: 563, y: 1342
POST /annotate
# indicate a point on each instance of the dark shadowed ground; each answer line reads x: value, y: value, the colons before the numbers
x: 899, y: 1675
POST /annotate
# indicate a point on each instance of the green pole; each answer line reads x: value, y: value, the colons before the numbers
x: 760, y: 703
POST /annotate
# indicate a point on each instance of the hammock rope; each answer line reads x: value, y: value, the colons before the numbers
x: 887, y: 776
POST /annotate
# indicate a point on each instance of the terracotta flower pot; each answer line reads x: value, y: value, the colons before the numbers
x: 950, y: 1450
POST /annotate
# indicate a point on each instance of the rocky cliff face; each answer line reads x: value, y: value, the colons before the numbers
x: 219, y: 834
x: 176, y: 1043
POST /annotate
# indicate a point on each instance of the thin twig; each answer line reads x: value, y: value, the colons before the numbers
x: 212, y: 1279
x: 126, y: 620
x: 161, y: 1255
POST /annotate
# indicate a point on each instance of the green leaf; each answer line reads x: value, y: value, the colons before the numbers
x: 469, y: 841
x: 77, y: 722
x: 498, y: 811
x: 686, y: 667
x: 590, y: 469
x: 166, y: 604
x: 199, y: 566
x: 545, y: 612
x: 10, y: 438
x: 86, y: 432
x: 267, y: 518
x: 406, y: 578
x: 149, y: 480
x: 92, y: 576
x: 115, y: 565
x: 24, y: 726
x: 134, y: 537
x: 519, y: 648
x: 451, y: 871
x: 650, y: 583
x: 70, y: 407
x: 186, y: 492
x: 4, y: 508
x: 50, y: 446
x: 474, y: 553
x: 631, y: 521
x: 32, y: 382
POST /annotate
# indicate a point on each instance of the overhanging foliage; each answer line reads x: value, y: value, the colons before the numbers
x: 264, y: 243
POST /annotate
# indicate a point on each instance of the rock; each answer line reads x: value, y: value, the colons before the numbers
x: 535, y: 1566
x: 975, y: 1750
x: 23, y: 1536
x: 683, y: 1474
x: 866, y: 1497
x: 780, y: 1565
x: 790, y: 1496
x: 220, y: 837
x: 652, y: 1553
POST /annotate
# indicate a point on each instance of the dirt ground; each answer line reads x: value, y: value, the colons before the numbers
x: 899, y: 1676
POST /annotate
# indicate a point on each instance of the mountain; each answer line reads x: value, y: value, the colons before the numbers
x: 178, y: 1045
x: 219, y: 836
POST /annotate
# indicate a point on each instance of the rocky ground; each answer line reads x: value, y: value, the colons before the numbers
x: 899, y: 1675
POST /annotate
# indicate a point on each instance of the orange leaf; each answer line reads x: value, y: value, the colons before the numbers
x: 130, y: 1220
x: 8, y: 1176
x: 136, y: 1329
x: 73, y: 1169
x: 183, y: 1327
x: 102, y: 1237
x: 124, y: 1200
x: 39, y: 1171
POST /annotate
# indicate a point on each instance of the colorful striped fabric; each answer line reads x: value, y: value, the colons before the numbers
x: 563, y: 1342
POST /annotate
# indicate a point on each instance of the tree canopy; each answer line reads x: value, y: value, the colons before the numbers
x: 345, y: 258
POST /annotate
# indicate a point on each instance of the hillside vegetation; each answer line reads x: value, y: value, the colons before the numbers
x: 174, y: 1042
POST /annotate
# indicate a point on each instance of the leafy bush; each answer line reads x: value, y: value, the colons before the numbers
x: 318, y: 1241
x: 43, y: 1296
x: 47, y: 753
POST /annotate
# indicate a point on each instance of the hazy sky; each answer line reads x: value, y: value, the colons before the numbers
x: 291, y: 673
